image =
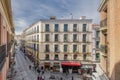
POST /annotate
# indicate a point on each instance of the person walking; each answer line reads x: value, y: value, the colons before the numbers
x: 72, y: 78
x: 30, y: 67
x: 61, y: 78
x: 40, y: 78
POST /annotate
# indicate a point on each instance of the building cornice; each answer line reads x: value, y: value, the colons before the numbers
x: 59, y: 20
x: 8, y: 12
x: 102, y: 5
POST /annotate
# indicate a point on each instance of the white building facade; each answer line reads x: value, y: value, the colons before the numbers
x: 96, y: 43
x: 58, y: 40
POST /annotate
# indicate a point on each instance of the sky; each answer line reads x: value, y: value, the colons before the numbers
x: 26, y: 12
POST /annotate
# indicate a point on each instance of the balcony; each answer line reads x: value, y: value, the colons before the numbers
x: 13, y: 30
x: 104, y: 48
x: 103, y: 24
x: 9, y: 46
x: 75, y: 40
x: 47, y: 51
x: 2, y: 55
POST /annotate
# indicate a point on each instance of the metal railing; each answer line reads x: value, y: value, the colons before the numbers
x: 104, y: 48
x: 13, y: 30
x: 2, y: 55
x: 103, y: 23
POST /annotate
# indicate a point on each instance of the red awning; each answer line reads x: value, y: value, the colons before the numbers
x: 70, y: 63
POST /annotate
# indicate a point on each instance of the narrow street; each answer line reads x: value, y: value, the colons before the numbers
x: 22, y: 67
x: 24, y: 73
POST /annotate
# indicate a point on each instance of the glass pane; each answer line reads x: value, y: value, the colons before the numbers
x: 74, y: 48
x: 65, y: 27
x: 84, y: 27
x: 84, y: 48
x: 56, y: 27
x: 84, y: 37
x: 65, y: 48
x: 75, y: 27
x: 46, y: 27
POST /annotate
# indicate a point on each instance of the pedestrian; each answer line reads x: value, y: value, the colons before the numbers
x: 72, y: 78
x: 38, y: 78
x: 43, y: 77
x: 29, y: 66
x: 61, y: 78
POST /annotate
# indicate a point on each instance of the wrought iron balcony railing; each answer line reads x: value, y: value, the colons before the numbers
x: 13, y: 30
x: 9, y: 45
x: 103, y: 23
x: 2, y: 55
x: 104, y: 48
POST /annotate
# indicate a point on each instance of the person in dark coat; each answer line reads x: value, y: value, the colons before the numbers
x: 72, y: 78
x: 61, y: 78
x: 38, y: 78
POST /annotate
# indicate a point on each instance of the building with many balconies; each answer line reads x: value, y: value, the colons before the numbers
x: 109, y: 38
x: 6, y: 38
x: 52, y: 42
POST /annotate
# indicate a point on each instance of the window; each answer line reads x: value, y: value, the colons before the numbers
x: 75, y: 56
x: 56, y: 48
x: 65, y: 37
x: 74, y: 27
x: 47, y: 48
x: 97, y: 44
x: 37, y: 37
x: 84, y: 27
x: 47, y: 27
x: 97, y: 56
x: 97, y: 34
x: 74, y: 48
x: 37, y: 47
x: 84, y: 56
x: 47, y: 57
x: 47, y: 36
x: 38, y: 28
x: 84, y: 48
x: 84, y: 37
x: 65, y: 27
x: 65, y: 57
x: 74, y: 37
x: 65, y: 48
x: 56, y: 37
x: 56, y: 57
x: 56, y: 27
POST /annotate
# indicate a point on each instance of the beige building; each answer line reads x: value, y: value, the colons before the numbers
x: 54, y: 41
x: 18, y: 39
x: 110, y: 21
x: 6, y: 38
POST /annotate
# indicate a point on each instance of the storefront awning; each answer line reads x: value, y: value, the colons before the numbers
x: 70, y: 63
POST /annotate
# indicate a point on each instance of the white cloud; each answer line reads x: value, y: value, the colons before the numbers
x: 21, y: 23
x: 26, y: 12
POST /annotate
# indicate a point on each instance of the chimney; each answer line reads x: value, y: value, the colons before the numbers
x: 52, y: 17
x: 83, y: 17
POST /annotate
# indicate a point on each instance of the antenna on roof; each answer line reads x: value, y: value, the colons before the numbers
x: 71, y: 15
